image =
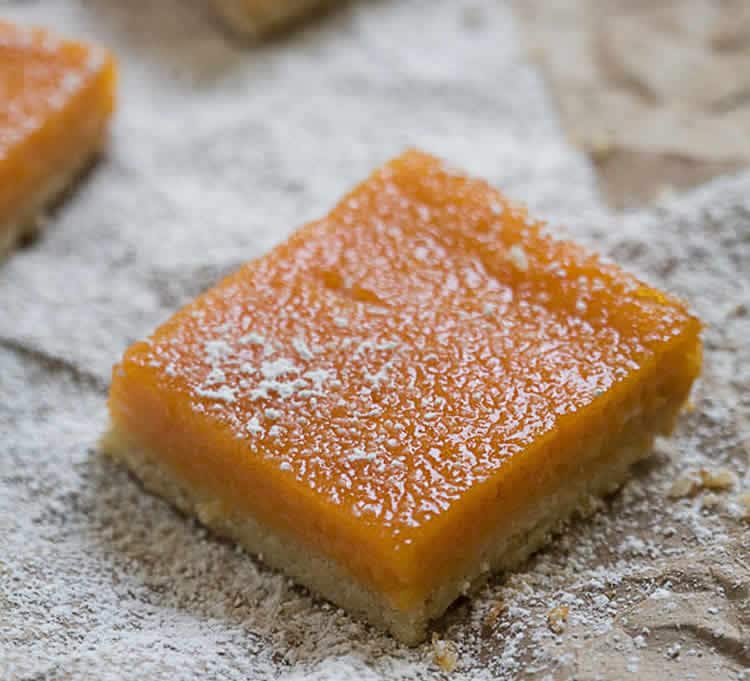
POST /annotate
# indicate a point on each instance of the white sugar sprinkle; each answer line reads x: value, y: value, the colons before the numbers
x: 302, y: 349
x: 224, y: 394
x: 217, y: 350
x: 318, y: 377
x: 215, y: 376
x: 380, y: 376
x: 358, y: 454
x: 283, y: 389
x: 518, y: 257
x: 253, y: 426
x: 253, y: 338
x: 661, y: 594
x: 278, y: 367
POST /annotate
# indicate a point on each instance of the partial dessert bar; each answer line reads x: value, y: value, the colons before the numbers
x: 256, y: 18
x: 57, y: 98
x: 406, y: 396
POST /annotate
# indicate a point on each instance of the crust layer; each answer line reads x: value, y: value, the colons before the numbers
x: 606, y: 470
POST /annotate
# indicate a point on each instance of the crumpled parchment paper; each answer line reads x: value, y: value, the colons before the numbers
x: 219, y: 151
x: 657, y: 92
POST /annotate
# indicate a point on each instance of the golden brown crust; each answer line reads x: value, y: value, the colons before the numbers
x: 608, y: 470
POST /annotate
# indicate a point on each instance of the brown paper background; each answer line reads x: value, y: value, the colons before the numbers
x: 657, y: 92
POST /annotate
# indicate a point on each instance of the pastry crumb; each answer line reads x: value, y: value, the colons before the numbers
x: 444, y: 654
x: 689, y: 485
x: 720, y: 480
x: 494, y: 613
x: 710, y: 500
x: 684, y: 486
x: 557, y: 618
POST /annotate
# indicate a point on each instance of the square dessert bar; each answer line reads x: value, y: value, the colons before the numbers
x: 405, y: 396
x: 57, y: 98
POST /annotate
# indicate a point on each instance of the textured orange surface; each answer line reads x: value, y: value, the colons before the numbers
x: 55, y: 99
x: 394, y: 381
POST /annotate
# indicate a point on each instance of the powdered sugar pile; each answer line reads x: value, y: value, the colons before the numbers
x: 218, y: 152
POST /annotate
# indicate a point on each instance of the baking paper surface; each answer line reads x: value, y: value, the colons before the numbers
x: 218, y: 152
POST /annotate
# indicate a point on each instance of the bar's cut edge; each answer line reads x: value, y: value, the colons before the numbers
x: 28, y: 222
x: 325, y: 576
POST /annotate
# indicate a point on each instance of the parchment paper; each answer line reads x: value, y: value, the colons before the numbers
x: 218, y: 151
x: 658, y: 92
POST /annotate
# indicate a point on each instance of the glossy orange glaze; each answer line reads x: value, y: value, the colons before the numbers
x: 394, y: 381
x: 57, y: 97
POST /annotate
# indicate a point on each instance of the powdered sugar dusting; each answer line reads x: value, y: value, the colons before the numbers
x: 279, y: 367
x: 223, y: 394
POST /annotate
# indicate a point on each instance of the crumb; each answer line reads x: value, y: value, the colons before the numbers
x: 744, y: 502
x: 497, y: 609
x: 739, y: 309
x: 444, y: 654
x: 683, y: 487
x: 721, y: 479
x: 557, y: 618
x: 715, y: 480
x: 710, y: 500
